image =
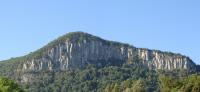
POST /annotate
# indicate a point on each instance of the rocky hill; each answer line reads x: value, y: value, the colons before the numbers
x: 77, y: 58
x: 78, y: 49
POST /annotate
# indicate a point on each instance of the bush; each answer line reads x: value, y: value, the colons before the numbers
x: 7, y: 85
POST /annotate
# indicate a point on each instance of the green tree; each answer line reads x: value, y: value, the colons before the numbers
x: 7, y: 85
x: 196, y: 88
x: 116, y: 88
x: 139, y: 86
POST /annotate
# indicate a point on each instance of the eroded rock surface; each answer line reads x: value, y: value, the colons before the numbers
x: 79, y: 51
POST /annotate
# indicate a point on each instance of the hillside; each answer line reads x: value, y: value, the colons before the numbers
x: 81, y: 62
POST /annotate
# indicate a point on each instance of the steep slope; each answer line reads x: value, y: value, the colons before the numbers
x: 78, y: 49
x: 78, y: 60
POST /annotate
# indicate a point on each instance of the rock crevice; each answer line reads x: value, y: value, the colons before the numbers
x: 72, y: 54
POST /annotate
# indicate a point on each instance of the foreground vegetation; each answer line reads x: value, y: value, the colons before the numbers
x: 7, y: 85
x: 126, y: 78
x: 112, y: 77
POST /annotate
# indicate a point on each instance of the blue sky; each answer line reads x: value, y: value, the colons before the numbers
x: 169, y: 25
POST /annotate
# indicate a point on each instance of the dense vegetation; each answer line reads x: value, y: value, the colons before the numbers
x: 174, y: 84
x: 114, y: 76
x: 125, y: 78
x: 7, y: 85
x: 94, y: 79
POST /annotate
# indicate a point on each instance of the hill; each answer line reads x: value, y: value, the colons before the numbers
x: 81, y: 62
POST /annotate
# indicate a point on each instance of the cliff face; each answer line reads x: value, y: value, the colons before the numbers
x: 165, y: 60
x: 81, y: 49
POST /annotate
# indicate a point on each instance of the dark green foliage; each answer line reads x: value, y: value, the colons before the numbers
x: 7, y: 85
x: 93, y: 78
x: 131, y: 77
x: 111, y: 76
x: 179, y: 84
x: 8, y: 67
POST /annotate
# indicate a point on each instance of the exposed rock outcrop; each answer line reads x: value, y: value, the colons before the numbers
x: 76, y: 50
